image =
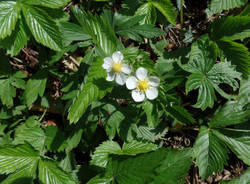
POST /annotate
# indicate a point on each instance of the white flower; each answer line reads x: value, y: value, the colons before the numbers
x: 116, y: 69
x: 143, y: 86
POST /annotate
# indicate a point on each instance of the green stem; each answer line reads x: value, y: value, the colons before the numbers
x: 41, y: 118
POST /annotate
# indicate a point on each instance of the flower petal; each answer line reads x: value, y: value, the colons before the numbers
x: 152, y: 93
x: 131, y: 82
x: 126, y: 69
x: 120, y: 78
x: 141, y: 73
x: 154, y: 81
x: 110, y: 76
x: 108, y: 63
x: 138, y: 96
x: 117, y: 57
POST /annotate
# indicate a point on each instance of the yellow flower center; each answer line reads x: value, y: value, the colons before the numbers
x: 143, y: 85
x: 117, y: 67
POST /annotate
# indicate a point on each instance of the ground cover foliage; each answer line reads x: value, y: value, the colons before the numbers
x: 94, y: 91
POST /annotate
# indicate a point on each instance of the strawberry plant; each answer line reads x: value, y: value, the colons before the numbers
x: 124, y: 92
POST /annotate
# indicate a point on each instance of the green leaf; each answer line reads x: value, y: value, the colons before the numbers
x: 244, y: 93
x: 50, y: 173
x: 100, y: 179
x: 54, y: 138
x: 35, y: 86
x: 246, y: 11
x: 237, y: 140
x: 149, y: 12
x: 113, y: 123
x: 101, y: 155
x: 72, y: 32
x: 9, y: 14
x: 129, y: 27
x: 7, y: 92
x: 17, y: 40
x: 33, y: 135
x: 152, y: 114
x: 206, y: 75
x: 238, y: 54
x: 95, y: 88
x: 210, y: 153
x: 101, y: 32
x: 134, y: 147
x: 88, y: 94
x: 13, y: 158
x: 151, y: 134
x: 231, y: 28
x: 43, y: 27
x: 135, y: 169
x: 166, y: 8
x: 206, y: 95
x: 47, y: 3
x: 217, y: 6
x: 23, y: 175
x: 231, y: 113
x: 242, y: 179
x: 174, y: 167
x: 179, y: 113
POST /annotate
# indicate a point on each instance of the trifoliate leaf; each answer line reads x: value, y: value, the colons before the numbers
x: 13, y: 158
x: 206, y: 75
x: 9, y: 14
x: 210, y: 153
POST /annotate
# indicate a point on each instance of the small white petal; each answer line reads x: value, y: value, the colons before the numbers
x: 117, y: 57
x: 126, y: 69
x: 154, y: 81
x: 141, y: 73
x: 120, y: 78
x: 131, y: 82
x: 110, y: 76
x: 152, y: 93
x: 108, y: 63
x: 138, y: 96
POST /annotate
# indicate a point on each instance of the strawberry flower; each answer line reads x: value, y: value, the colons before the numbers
x: 143, y: 86
x: 116, y: 69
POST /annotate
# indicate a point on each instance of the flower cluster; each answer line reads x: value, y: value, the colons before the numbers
x: 142, y: 85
